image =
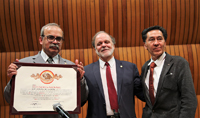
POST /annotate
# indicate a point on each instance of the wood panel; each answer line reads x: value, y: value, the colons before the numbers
x: 129, y: 24
x: 137, y: 20
x: 21, y: 21
x: 197, y: 115
x: 84, y: 24
x: 106, y: 11
x: 133, y: 21
x: 198, y: 65
x: 186, y: 28
x: 196, y: 12
x: 1, y: 85
x: 79, y: 18
x: 137, y: 55
x: 88, y: 23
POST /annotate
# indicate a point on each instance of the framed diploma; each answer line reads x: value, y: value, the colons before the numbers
x: 37, y: 87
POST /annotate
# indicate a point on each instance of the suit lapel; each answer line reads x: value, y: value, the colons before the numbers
x: 38, y: 58
x: 145, y: 88
x: 144, y: 74
x: 120, y: 73
x: 96, y: 69
x: 119, y: 70
x: 167, y: 64
x: 61, y: 60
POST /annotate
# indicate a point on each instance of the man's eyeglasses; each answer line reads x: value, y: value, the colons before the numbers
x: 51, y: 38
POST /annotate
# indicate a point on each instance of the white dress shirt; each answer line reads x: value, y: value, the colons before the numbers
x: 45, y: 57
x: 112, y: 64
x: 156, y: 73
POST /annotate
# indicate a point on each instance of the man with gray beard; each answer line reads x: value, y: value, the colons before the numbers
x: 51, y: 39
x: 112, y: 84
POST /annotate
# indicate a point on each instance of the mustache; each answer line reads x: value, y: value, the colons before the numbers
x: 54, y: 45
x: 104, y: 48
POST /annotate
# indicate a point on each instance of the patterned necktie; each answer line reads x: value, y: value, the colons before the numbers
x: 151, y: 87
x: 111, y: 89
x: 50, y: 60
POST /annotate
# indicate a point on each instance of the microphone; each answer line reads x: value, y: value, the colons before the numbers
x: 57, y: 107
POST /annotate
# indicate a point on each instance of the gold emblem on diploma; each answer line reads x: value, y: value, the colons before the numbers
x: 46, y: 76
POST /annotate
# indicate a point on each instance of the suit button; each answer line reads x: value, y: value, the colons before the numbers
x: 153, y: 111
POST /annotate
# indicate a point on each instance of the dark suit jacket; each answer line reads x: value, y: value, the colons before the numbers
x: 175, y: 96
x: 38, y: 59
x: 128, y: 85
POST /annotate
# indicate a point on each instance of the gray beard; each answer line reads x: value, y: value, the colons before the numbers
x: 100, y: 55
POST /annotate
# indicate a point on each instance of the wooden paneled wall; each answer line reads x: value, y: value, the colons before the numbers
x: 21, y: 21
x: 137, y: 55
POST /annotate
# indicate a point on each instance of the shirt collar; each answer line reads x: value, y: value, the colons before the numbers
x: 111, y: 62
x: 159, y: 60
x: 45, y: 56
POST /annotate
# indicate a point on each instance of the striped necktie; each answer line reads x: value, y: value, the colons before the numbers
x: 50, y: 60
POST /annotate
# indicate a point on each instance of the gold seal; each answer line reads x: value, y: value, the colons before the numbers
x: 46, y: 76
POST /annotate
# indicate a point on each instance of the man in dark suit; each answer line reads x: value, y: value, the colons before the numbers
x: 51, y: 39
x: 167, y: 80
x: 125, y: 78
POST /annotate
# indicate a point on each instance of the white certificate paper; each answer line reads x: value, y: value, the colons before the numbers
x: 38, y: 88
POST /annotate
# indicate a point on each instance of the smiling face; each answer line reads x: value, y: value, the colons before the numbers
x: 104, y: 46
x: 155, y: 43
x: 51, y: 48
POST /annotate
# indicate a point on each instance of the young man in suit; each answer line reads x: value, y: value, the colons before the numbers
x: 123, y: 75
x: 51, y: 39
x: 167, y: 80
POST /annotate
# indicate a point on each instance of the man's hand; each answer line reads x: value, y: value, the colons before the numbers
x: 12, y: 69
x: 80, y: 67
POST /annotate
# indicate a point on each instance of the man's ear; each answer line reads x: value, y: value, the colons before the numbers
x: 40, y: 39
x: 165, y: 44
x: 145, y: 46
x: 94, y: 49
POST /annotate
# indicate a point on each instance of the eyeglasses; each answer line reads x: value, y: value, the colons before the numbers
x: 51, y: 38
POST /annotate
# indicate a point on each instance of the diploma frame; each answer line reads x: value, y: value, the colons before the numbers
x: 77, y: 110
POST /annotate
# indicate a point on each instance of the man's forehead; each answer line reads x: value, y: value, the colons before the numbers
x: 103, y: 35
x: 153, y: 33
x: 50, y: 29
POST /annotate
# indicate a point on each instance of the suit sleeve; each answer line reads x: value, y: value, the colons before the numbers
x: 7, y: 91
x: 138, y: 90
x: 84, y: 91
x: 187, y: 92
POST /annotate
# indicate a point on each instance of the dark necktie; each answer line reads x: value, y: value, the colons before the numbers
x: 50, y: 60
x: 151, y: 87
x: 111, y: 89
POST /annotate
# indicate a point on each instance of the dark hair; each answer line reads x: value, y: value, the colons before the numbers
x: 157, y: 27
x: 94, y: 37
